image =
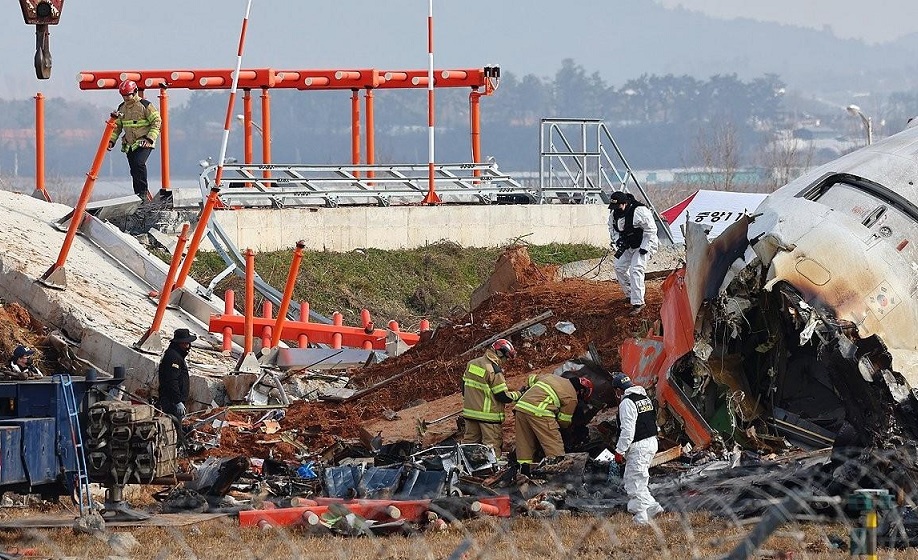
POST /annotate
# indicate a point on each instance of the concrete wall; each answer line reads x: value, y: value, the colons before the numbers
x: 399, y: 227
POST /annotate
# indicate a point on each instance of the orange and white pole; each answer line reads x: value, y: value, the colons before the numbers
x: 232, y: 96
x: 431, y: 197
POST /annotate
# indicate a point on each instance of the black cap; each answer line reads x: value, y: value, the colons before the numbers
x: 22, y: 351
x: 621, y: 381
x: 184, y: 335
x: 619, y: 197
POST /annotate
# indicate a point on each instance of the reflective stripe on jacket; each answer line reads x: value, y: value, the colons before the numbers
x: 483, y: 378
x: 551, y: 395
x: 139, y: 119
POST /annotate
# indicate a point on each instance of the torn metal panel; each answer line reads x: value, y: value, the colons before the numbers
x: 649, y: 360
x: 341, y: 482
x: 326, y: 358
x: 421, y: 484
x: 379, y: 482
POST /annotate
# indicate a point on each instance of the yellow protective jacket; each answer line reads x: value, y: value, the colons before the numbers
x: 139, y: 119
x: 550, y: 395
x: 484, y: 390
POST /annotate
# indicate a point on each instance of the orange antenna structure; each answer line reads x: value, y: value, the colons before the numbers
x: 481, y: 81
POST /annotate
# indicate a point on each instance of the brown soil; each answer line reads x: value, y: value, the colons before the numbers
x: 17, y: 326
x: 598, y: 310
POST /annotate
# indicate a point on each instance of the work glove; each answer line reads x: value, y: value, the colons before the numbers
x: 643, y: 251
x: 619, y: 458
x: 523, y: 389
x: 145, y: 142
x: 180, y: 410
x: 111, y: 144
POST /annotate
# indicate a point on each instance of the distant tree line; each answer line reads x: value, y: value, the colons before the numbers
x: 657, y: 120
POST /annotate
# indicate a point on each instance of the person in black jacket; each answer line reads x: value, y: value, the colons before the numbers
x: 173, y: 374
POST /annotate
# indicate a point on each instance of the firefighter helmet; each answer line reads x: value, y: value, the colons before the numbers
x: 503, y: 348
x: 127, y: 87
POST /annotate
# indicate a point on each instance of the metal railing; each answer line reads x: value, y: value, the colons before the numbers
x: 383, y: 185
x: 580, y: 163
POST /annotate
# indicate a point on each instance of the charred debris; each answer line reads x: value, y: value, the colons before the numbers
x: 765, y: 397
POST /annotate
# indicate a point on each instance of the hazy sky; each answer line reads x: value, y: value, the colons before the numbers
x: 875, y: 22
x: 530, y: 36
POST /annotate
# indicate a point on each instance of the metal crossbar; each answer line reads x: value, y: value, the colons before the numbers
x: 76, y: 437
x: 381, y: 185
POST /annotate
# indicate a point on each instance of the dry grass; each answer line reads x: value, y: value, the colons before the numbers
x: 567, y: 537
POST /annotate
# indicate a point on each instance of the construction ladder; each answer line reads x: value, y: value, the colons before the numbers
x: 76, y: 436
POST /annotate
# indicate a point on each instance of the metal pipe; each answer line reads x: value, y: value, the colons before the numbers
x: 247, y: 126
x: 267, y: 312
x: 337, y: 320
x: 249, y: 301
x: 229, y: 308
x: 371, y: 132
x: 355, y: 129
x: 166, y: 292
x: 77, y: 218
x: 266, y: 131
x: 199, y: 230
x: 40, y: 146
x: 288, y: 292
x: 302, y: 339
x: 475, y: 125
x: 164, y: 137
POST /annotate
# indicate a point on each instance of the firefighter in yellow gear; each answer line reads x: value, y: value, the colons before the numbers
x: 140, y: 122
x: 545, y: 407
x: 484, y: 394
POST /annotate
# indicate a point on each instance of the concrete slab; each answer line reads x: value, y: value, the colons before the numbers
x: 105, y: 307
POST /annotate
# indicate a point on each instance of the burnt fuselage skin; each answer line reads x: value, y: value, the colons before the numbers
x: 845, y: 236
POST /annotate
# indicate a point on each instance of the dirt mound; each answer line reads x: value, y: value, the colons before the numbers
x: 598, y: 310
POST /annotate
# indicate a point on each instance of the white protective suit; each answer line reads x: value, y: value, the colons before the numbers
x: 629, y: 268
x: 638, y: 455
